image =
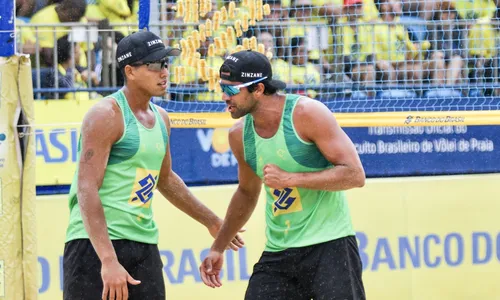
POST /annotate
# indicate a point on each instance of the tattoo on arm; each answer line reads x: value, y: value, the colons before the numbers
x: 88, y: 155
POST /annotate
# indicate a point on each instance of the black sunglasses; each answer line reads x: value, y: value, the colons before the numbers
x: 153, y: 66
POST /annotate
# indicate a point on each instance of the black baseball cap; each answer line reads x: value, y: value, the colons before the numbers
x: 245, y: 66
x: 143, y: 46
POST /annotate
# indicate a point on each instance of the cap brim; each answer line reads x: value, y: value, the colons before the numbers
x: 159, y: 55
x: 278, y: 84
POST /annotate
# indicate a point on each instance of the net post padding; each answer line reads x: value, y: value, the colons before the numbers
x: 28, y: 192
x: 18, y: 257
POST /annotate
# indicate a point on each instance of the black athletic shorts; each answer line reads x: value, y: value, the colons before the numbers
x: 82, y: 270
x: 326, y: 271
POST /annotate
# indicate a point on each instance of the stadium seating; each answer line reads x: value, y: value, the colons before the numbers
x: 406, y: 67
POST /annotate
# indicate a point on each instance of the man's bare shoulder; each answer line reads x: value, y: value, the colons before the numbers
x: 104, y: 120
x: 236, y: 130
x: 312, y: 117
x: 162, y: 111
x: 164, y: 115
x: 104, y: 109
x: 307, y: 108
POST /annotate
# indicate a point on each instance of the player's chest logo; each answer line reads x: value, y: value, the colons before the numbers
x: 281, y: 154
x: 142, y: 191
x: 286, y: 201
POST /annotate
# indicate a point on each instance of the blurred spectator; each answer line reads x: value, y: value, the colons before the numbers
x: 281, y: 68
x: 213, y: 63
x: 424, y: 9
x: 357, y: 45
x: 475, y: 9
x: 187, y: 30
x: 316, y: 37
x: 180, y: 33
x: 278, y: 14
x: 192, y: 76
x: 450, y: 39
x: 67, y: 11
x: 333, y: 9
x: 115, y: 12
x: 394, y: 45
x: 189, y: 78
x: 482, y: 51
x: 370, y: 12
x: 303, y: 72
x: 25, y: 8
x: 26, y: 41
x: 175, y: 32
x: 69, y: 75
x: 496, y: 26
x: 109, y: 14
x: 276, y: 29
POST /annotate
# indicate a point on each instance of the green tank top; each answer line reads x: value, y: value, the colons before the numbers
x: 295, y: 217
x: 131, y: 175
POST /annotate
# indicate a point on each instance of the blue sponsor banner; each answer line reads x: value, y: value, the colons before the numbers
x: 7, y: 28
x: 203, y: 155
x: 430, y: 150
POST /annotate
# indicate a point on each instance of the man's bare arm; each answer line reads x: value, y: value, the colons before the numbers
x: 101, y: 127
x: 244, y: 199
x: 315, y: 123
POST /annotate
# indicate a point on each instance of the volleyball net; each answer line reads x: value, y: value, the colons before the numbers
x: 354, y: 55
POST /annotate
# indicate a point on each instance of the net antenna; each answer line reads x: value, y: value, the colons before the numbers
x: 149, y: 15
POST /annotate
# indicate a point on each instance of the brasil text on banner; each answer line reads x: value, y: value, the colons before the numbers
x: 409, y: 251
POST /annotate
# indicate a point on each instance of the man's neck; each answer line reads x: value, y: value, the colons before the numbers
x: 137, y: 99
x: 268, y: 113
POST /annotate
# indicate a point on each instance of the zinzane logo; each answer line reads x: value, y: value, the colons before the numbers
x: 251, y: 75
x: 286, y: 201
x: 124, y: 56
x: 144, y: 185
x: 154, y: 42
x: 230, y: 57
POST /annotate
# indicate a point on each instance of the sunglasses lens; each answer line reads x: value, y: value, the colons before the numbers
x: 229, y: 89
x: 157, y: 66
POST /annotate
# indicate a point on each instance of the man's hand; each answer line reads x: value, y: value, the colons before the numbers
x: 115, y: 279
x: 276, y: 178
x: 236, y: 243
x: 210, y: 269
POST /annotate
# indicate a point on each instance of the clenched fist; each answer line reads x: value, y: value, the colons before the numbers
x: 275, y: 177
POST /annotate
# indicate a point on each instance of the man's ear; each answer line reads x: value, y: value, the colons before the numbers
x: 259, y: 89
x: 129, y: 72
